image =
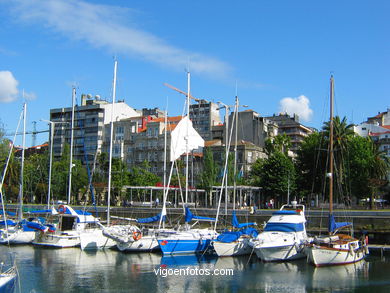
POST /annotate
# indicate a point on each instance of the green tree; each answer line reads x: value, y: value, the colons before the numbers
x: 210, y: 170
x: 280, y: 143
x: 276, y: 175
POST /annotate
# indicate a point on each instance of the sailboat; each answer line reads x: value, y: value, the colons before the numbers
x: 185, y: 138
x: 20, y: 231
x: 232, y: 243
x: 335, y: 248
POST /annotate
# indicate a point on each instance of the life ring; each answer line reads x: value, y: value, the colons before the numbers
x: 137, y: 236
x: 62, y: 209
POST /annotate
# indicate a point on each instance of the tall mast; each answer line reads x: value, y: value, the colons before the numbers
x: 111, y: 139
x: 20, y: 215
x: 187, y: 138
x: 331, y: 147
x: 71, y: 145
x: 52, y: 125
x: 235, y: 157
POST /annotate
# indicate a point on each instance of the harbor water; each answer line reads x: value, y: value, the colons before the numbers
x: 73, y: 270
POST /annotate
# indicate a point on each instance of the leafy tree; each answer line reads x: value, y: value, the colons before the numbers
x: 36, y: 173
x: 276, y: 175
x: 141, y: 176
x: 280, y: 143
x: 210, y: 170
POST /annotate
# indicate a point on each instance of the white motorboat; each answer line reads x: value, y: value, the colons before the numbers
x: 284, y: 235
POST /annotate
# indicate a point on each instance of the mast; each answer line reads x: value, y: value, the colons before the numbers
x: 235, y: 157
x: 20, y: 214
x: 52, y: 125
x: 71, y: 146
x: 187, y: 138
x: 111, y: 139
x: 331, y: 147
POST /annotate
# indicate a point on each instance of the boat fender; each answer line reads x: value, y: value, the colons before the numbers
x: 137, y: 236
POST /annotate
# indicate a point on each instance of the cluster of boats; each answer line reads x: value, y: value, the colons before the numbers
x: 282, y: 238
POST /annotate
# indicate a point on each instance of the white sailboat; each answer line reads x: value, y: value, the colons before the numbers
x: 20, y: 231
x: 96, y: 239
x: 232, y: 243
x: 284, y: 236
x: 335, y: 249
x: 185, y: 138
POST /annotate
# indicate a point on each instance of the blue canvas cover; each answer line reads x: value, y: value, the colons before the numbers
x: 9, y: 223
x: 40, y: 211
x: 333, y: 225
x: 150, y: 219
x: 189, y: 216
x: 229, y: 236
x: 236, y: 224
x: 8, y: 213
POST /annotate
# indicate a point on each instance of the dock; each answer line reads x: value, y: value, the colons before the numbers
x: 379, y: 249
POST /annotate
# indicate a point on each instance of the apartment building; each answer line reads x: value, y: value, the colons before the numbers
x: 204, y: 115
x: 291, y: 126
x: 90, y: 119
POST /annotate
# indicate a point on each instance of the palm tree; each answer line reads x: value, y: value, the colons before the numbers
x: 379, y: 166
x: 341, y: 133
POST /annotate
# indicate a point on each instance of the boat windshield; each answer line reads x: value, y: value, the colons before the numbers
x: 284, y: 227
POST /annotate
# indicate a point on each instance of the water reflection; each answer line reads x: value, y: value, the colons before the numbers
x: 73, y: 270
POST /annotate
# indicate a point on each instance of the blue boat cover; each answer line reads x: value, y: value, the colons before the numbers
x: 189, y: 216
x: 333, y: 225
x: 150, y: 219
x: 9, y: 223
x: 284, y: 227
x: 40, y: 211
x: 285, y: 212
x: 236, y: 224
x: 8, y: 213
x: 41, y: 227
x: 228, y: 236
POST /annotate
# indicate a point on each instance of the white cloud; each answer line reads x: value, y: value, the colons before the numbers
x: 106, y: 26
x: 299, y: 106
x: 8, y: 87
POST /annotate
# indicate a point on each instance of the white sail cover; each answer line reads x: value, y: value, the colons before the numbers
x: 179, y: 138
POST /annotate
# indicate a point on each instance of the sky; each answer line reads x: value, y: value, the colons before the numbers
x: 275, y: 55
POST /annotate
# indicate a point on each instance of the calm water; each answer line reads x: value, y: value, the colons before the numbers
x: 73, y: 270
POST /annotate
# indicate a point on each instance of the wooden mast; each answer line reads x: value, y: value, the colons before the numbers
x: 331, y: 147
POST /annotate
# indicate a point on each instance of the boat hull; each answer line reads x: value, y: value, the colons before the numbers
x: 145, y: 244
x: 279, y: 253
x: 8, y: 281
x: 63, y: 240
x: 239, y: 247
x: 17, y: 237
x: 92, y: 240
x: 326, y: 256
x: 183, y: 246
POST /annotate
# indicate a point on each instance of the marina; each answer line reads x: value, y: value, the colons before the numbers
x: 74, y: 270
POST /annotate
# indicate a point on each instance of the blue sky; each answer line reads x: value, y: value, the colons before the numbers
x: 279, y: 53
